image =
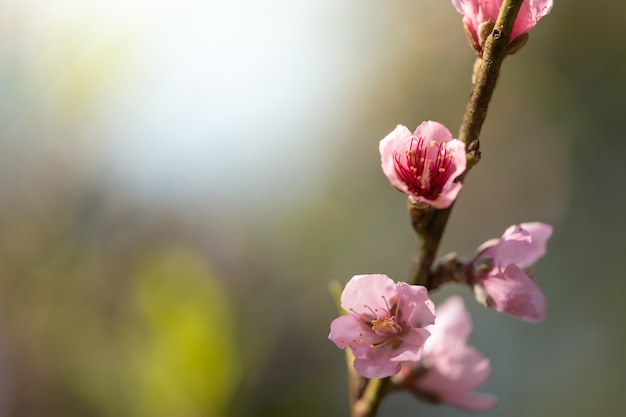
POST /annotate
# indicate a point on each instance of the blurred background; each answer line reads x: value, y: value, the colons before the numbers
x: 180, y: 181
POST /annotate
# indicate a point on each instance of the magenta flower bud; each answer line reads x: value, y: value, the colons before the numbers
x: 505, y: 286
x: 424, y: 164
x: 384, y: 325
x: 450, y: 370
x: 476, y: 13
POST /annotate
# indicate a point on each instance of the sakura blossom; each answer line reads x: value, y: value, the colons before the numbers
x: 504, y: 284
x: 450, y: 370
x: 478, y: 12
x: 384, y: 325
x: 424, y: 164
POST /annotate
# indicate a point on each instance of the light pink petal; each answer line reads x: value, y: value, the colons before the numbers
x: 398, y: 140
x: 539, y: 233
x: 412, y: 346
x: 349, y: 330
x: 447, y: 197
x: 452, y: 378
x: 515, y: 294
x: 460, y: 158
x: 520, y: 244
x: 470, y: 10
x: 452, y: 327
x: 511, y: 250
x: 470, y: 401
x: 489, y: 10
x: 376, y: 366
x: 466, y: 7
x: 414, y: 305
x: 433, y: 131
x: 364, y: 293
x: 465, y: 369
x: 529, y: 14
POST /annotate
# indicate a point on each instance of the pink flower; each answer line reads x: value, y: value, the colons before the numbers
x: 505, y: 287
x: 450, y: 369
x: 476, y: 12
x: 424, y: 164
x: 384, y: 325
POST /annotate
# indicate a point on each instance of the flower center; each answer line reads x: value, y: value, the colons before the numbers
x: 425, y: 167
x: 386, y: 326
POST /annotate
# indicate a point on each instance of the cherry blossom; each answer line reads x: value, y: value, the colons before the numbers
x: 450, y: 369
x: 424, y: 164
x: 501, y: 281
x: 384, y: 325
x: 477, y: 13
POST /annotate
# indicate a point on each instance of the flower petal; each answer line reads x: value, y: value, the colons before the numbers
x: 470, y: 401
x: 515, y: 294
x: 399, y: 138
x: 412, y: 346
x: 349, y: 330
x: 365, y: 293
x: 452, y: 327
x: 414, y: 305
x: 377, y: 366
x: 539, y: 233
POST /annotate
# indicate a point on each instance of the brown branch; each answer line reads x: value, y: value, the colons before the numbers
x: 485, y: 78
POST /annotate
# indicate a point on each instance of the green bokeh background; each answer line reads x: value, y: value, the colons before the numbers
x: 117, y: 301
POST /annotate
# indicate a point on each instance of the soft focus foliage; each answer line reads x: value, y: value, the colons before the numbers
x: 245, y: 135
x: 185, y: 355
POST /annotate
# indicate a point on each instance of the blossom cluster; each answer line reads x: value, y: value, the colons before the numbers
x: 393, y: 328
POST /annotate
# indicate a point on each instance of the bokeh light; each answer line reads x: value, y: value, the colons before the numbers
x: 180, y: 181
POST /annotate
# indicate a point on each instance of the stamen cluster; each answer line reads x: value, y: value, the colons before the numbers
x: 424, y: 164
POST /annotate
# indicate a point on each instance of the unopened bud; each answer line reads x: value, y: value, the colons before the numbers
x: 471, y: 39
x: 517, y: 44
x: 484, y: 30
x: 482, y: 266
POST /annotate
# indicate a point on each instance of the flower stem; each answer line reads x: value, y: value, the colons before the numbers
x: 365, y: 398
x: 485, y: 78
x: 368, y: 404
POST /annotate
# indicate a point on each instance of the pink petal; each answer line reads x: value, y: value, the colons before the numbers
x: 515, y: 294
x: 433, y: 131
x: 376, y: 366
x: 412, y: 346
x: 511, y: 250
x: 540, y: 233
x: 520, y: 244
x: 349, y: 330
x: 414, y: 305
x: 452, y: 327
x: 529, y: 14
x: 471, y: 401
x: 364, y: 293
x: 399, y: 138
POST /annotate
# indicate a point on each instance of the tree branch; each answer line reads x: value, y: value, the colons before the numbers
x: 429, y: 224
